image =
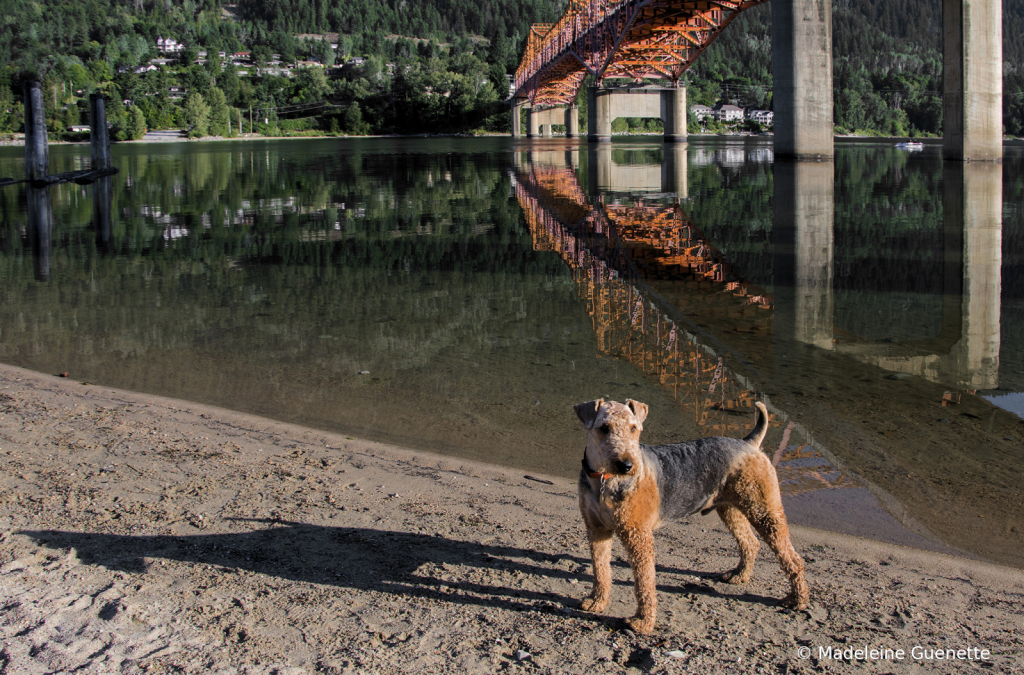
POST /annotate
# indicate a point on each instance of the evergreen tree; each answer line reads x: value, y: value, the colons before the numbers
x: 219, y: 113
x: 197, y: 115
x: 136, y: 127
x: 229, y: 84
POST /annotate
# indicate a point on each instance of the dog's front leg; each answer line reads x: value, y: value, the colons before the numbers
x: 639, y: 543
x: 601, y: 552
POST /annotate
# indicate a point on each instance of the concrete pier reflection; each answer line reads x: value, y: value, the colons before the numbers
x: 965, y: 355
x: 804, y: 219
x: 605, y: 175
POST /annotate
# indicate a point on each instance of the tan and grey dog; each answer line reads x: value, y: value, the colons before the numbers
x: 627, y: 488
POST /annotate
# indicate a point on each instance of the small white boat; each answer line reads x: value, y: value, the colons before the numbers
x: 910, y: 145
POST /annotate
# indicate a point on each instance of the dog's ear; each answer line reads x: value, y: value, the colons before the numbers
x: 587, y: 412
x: 639, y: 409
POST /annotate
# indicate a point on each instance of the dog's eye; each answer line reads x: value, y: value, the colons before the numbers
x: 604, y: 429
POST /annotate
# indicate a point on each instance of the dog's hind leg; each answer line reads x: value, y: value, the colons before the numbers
x: 745, y: 537
x: 755, y: 491
x: 601, y: 553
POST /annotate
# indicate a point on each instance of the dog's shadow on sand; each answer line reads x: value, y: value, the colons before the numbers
x: 400, y: 563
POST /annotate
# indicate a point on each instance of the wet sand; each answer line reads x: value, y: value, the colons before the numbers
x: 145, y: 534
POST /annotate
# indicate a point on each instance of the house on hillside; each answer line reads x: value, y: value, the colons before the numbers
x: 728, y: 113
x: 168, y: 46
x: 701, y: 111
x: 763, y: 117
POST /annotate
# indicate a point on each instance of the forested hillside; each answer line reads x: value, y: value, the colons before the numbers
x: 426, y: 65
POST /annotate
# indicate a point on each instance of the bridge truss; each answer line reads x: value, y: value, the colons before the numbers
x: 634, y: 39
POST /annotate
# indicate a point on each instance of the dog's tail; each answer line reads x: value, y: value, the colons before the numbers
x: 760, y: 426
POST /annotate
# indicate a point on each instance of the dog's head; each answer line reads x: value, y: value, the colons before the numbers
x: 613, y: 441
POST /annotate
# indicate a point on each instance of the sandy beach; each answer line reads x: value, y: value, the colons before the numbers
x: 140, y: 534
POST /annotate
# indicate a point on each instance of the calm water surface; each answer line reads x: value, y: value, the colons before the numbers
x: 461, y: 295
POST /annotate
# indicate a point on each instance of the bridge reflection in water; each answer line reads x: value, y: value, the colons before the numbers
x: 661, y: 296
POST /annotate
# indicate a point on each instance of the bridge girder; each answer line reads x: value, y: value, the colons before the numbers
x: 634, y: 39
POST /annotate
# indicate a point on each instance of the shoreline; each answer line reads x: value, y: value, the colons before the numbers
x: 931, y: 140
x: 141, y: 532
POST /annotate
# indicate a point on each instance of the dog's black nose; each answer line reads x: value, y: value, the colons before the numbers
x: 625, y: 467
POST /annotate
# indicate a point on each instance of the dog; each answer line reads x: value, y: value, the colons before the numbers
x: 628, y: 488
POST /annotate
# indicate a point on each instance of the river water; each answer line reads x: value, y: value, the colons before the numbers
x: 460, y: 295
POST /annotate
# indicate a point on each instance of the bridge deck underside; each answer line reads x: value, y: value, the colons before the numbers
x: 633, y: 39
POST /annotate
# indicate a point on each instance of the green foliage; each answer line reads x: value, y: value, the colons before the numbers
x: 885, y: 52
x: 197, y: 115
x: 136, y: 127
x: 219, y: 113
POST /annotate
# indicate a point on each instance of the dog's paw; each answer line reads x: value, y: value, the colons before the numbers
x: 592, y: 604
x: 793, y: 601
x: 736, y: 576
x: 642, y: 625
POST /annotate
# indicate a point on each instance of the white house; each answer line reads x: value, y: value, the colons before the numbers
x: 765, y: 117
x: 728, y: 113
x: 168, y: 45
x: 701, y: 111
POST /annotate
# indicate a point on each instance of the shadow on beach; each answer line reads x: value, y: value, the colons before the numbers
x: 398, y: 563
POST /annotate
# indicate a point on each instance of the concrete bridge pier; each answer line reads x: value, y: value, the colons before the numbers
x: 542, y: 119
x: 804, y: 204
x: 674, y: 115
x: 666, y: 104
x: 802, y: 74
x: 517, y: 118
x: 972, y: 80
x: 572, y: 121
x: 599, y: 115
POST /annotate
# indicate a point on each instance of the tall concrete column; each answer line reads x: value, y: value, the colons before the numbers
x: 545, y: 130
x: 802, y: 73
x: 532, y: 123
x: 599, y: 114
x: 972, y: 204
x: 572, y: 121
x: 517, y: 119
x: 972, y: 79
x: 675, y: 114
x: 804, y: 205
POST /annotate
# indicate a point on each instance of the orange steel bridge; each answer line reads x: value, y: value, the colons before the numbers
x: 634, y: 39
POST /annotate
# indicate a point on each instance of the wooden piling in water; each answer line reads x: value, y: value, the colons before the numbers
x: 98, y: 136
x: 37, y: 151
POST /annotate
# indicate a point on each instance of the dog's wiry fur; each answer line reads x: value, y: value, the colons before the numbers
x: 627, y: 488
